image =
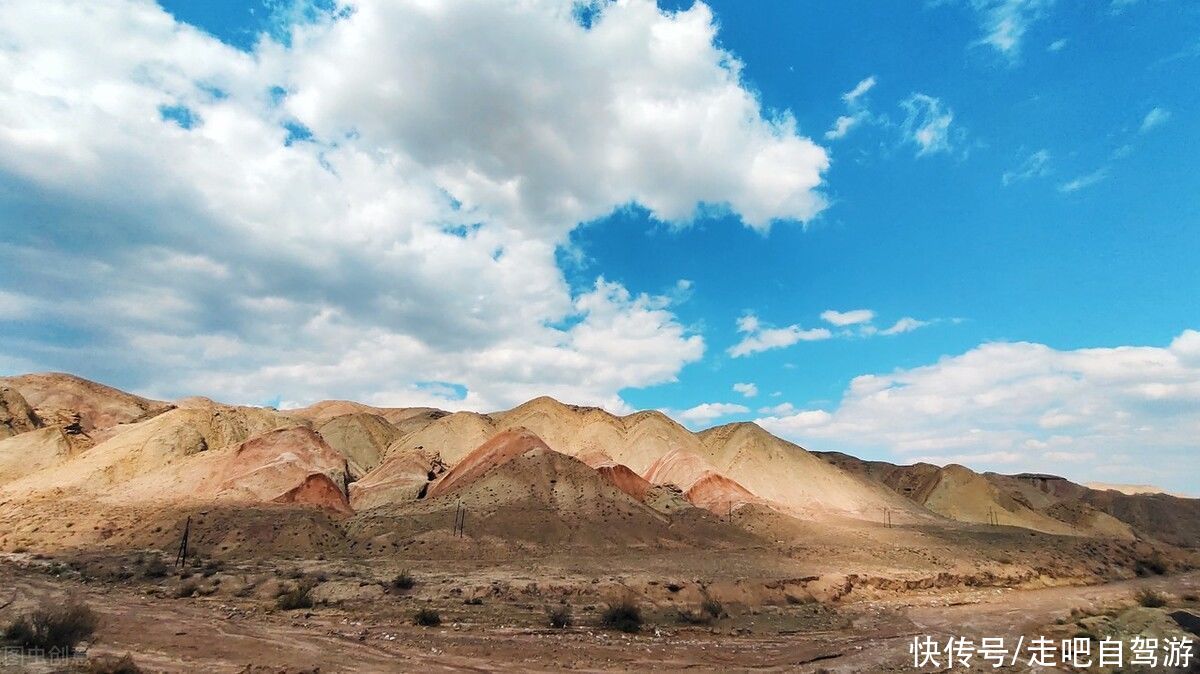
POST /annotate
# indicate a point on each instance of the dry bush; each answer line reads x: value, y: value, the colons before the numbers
x: 296, y: 598
x: 186, y: 589
x: 427, y: 617
x: 559, y: 616
x: 624, y: 615
x: 713, y: 608
x: 1150, y: 598
x: 111, y: 664
x: 54, y: 626
x: 688, y: 616
x: 403, y: 581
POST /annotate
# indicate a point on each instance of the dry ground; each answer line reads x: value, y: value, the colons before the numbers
x: 494, y: 614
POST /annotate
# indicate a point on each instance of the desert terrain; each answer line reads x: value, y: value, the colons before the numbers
x: 547, y: 537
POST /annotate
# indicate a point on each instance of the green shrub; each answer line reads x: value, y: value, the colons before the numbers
x: 624, y: 615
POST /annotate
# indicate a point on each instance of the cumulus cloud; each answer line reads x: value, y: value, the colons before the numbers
x: 844, y: 318
x: 1025, y: 406
x: 707, y: 412
x: 927, y: 124
x: 757, y: 337
x: 748, y: 390
x: 1156, y: 117
x: 1035, y: 165
x: 365, y: 208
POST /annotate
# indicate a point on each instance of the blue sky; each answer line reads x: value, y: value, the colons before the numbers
x: 1013, y: 194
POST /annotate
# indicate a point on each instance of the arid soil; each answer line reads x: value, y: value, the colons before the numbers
x: 494, y: 619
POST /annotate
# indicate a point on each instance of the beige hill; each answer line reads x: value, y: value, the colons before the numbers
x: 143, y: 448
x: 361, y: 437
x: 961, y: 494
x: 577, y: 471
x: 699, y: 482
x: 16, y: 416
x: 33, y: 451
x: 742, y: 456
x: 514, y: 487
x: 802, y: 483
x: 97, y: 405
x: 325, y: 410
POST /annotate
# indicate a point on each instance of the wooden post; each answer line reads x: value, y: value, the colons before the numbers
x: 181, y: 556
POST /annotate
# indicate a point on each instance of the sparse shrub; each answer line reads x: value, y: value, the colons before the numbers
x: 1150, y: 598
x: 155, y: 568
x: 712, y: 607
x: 624, y: 615
x: 111, y: 664
x: 473, y: 601
x: 403, y: 581
x: 1150, y: 566
x: 688, y: 616
x: 559, y: 616
x: 427, y: 617
x: 54, y: 626
x: 296, y: 598
x: 674, y: 587
x: 186, y: 589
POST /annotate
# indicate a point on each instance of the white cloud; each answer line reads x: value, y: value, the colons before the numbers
x: 1005, y: 22
x: 927, y: 124
x: 843, y: 124
x: 851, y: 97
x: 757, y: 337
x: 1026, y: 406
x: 707, y: 412
x: 585, y: 109
x: 857, y: 110
x: 1083, y: 181
x: 780, y: 410
x: 1035, y: 165
x: 410, y: 237
x: 844, y: 318
x: 1156, y: 117
x: 906, y: 324
x: 748, y: 390
x: 1057, y: 45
